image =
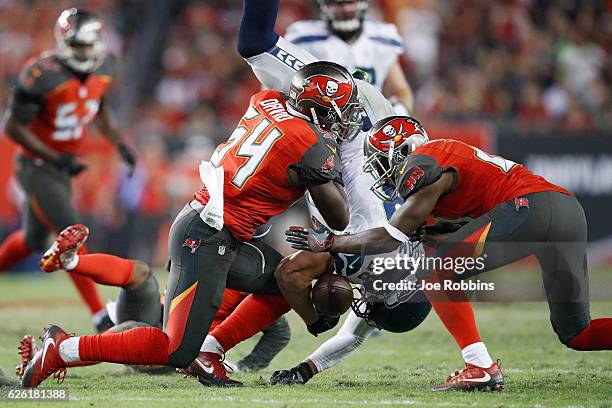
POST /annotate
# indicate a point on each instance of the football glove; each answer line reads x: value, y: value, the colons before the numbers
x: 317, y: 239
x: 299, y: 374
x: 68, y: 162
x: 128, y: 155
x: 323, y: 324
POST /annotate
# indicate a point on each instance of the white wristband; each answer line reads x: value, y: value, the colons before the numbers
x: 395, y: 233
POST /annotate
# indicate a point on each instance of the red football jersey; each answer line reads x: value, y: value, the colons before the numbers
x: 482, y: 181
x: 257, y: 160
x: 56, y: 104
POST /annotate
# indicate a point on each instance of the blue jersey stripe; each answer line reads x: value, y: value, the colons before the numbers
x: 387, y: 41
x: 310, y: 38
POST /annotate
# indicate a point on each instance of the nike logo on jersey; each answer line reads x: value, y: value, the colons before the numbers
x: 206, y: 367
x: 48, y: 343
x: 484, y: 379
x: 331, y: 148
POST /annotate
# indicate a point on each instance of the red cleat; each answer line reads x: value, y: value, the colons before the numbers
x: 210, y: 371
x: 26, y: 350
x: 475, y: 378
x: 47, y: 360
x: 65, y: 247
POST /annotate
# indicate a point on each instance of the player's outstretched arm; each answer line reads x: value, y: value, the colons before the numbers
x: 410, y: 216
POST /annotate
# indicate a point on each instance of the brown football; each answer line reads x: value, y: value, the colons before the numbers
x: 332, y: 294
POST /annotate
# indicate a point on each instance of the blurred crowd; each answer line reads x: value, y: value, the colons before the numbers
x: 539, y: 64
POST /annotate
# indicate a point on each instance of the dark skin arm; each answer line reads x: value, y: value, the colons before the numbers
x: 331, y: 203
x: 407, y: 219
x: 106, y: 123
x: 295, y: 274
x: 24, y: 137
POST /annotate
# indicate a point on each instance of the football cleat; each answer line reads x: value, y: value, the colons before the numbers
x: 47, y: 360
x: 65, y: 247
x: 27, y: 348
x: 210, y: 370
x: 473, y: 378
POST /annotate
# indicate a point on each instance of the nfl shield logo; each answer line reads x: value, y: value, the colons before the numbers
x: 221, y: 250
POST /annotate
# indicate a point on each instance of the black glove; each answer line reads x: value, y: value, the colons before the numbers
x: 317, y: 239
x: 323, y: 324
x: 299, y: 374
x: 67, y: 162
x: 128, y: 155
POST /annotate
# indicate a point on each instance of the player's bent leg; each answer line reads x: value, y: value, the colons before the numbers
x: 565, y: 276
x: 200, y: 257
x: 140, y: 300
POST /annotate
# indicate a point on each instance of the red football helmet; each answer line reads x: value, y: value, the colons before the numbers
x: 325, y: 93
x: 387, y: 146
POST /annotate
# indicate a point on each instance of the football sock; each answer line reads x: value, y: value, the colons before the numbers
x: 231, y: 299
x: 252, y: 315
x: 69, y: 350
x: 141, y: 304
x: 141, y: 345
x: 13, y: 250
x: 211, y: 345
x: 458, y: 318
x: 87, y: 290
x: 275, y: 338
x: 598, y: 336
x: 477, y: 354
x: 103, y: 268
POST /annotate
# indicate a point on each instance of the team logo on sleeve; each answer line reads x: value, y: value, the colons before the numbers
x: 329, y: 164
x: 323, y: 89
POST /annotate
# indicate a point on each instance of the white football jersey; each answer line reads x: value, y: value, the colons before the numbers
x: 374, y: 51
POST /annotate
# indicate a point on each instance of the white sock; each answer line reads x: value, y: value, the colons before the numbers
x: 69, y: 350
x: 211, y: 345
x: 72, y: 264
x: 477, y: 355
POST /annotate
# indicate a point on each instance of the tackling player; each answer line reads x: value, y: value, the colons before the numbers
x: 58, y: 95
x: 282, y: 147
x: 344, y: 37
x: 504, y: 203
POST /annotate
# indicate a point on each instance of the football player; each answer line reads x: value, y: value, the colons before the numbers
x: 503, y: 202
x: 57, y: 96
x: 273, y: 61
x: 283, y: 146
x: 138, y: 300
x: 343, y: 36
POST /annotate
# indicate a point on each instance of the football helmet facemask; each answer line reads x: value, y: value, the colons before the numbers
x: 325, y: 94
x: 78, y: 35
x: 344, y: 17
x: 387, y: 146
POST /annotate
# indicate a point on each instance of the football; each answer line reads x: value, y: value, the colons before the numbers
x: 332, y: 294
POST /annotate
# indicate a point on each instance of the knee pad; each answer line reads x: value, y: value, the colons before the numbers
x: 141, y: 304
x: 568, y: 327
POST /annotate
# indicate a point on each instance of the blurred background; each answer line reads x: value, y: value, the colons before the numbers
x: 528, y: 79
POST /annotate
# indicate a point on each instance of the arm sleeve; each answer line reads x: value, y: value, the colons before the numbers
x: 420, y: 171
x: 27, y: 101
x: 256, y: 34
x: 319, y: 164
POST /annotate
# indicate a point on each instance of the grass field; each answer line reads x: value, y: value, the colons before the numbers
x: 391, y: 370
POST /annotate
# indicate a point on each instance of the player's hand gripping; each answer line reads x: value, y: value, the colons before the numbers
x: 317, y: 239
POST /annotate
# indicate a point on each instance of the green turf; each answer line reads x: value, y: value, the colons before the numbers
x: 391, y: 370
